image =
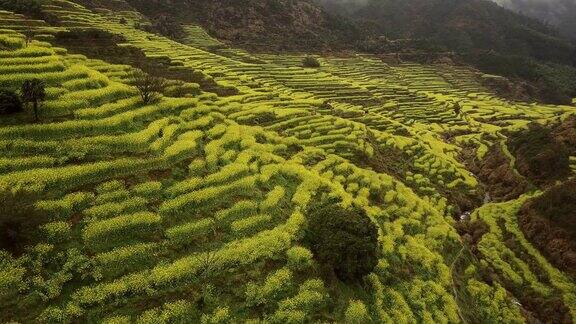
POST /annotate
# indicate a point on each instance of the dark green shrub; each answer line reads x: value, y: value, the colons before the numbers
x: 19, y: 221
x: 164, y: 25
x: 10, y: 102
x: 344, y: 240
x: 31, y: 8
x: 310, y: 62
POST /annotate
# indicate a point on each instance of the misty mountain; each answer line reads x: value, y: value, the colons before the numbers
x: 464, y: 26
x: 558, y: 13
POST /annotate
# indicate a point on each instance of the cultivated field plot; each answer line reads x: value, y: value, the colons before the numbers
x: 194, y: 208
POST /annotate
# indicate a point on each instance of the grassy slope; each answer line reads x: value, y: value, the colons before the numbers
x: 191, y: 208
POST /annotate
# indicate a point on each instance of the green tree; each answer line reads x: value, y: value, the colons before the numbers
x: 149, y: 87
x: 310, y: 62
x: 31, y: 8
x: 344, y: 240
x: 457, y: 108
x: 33, y: 92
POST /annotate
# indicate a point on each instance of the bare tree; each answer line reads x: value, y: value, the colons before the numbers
x: 33, y: 91
x: 28, y: 35
x: 149, y: 87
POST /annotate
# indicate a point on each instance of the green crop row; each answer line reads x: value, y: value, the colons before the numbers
x: 100, y: 235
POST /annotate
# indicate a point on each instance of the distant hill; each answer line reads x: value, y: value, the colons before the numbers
x: 479, y: 32
x: 460, y: 25
x: 475, y: 32
x: 263, y: 25
x: 150, y: 173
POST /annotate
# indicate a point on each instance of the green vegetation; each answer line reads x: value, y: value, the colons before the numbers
x: 539, y: 156
x: 10, y: 102
x: 149, y: 87
x: 310, y: 62
x: 343, y: 240
x: 163, y: 25
x: 18, y: 221
x: 549, y: 223
x: 33, y: 92
x: 28, y: 7
x: 246, y: 188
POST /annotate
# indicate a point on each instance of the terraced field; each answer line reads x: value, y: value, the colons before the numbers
x: 193, y: 209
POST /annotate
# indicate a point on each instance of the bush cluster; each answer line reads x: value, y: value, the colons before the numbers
x: 310, y: 62
x: 344, y: 240
x: 10, y: 102
x: 31, y: 8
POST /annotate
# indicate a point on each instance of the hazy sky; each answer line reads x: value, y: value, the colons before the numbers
x: 560, y: 13
x: 552, y: 11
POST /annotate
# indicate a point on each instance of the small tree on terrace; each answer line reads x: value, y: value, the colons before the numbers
x: 310, y: 62
x: 28, y: 38
x: 457, y: 108
x: 149, y: 87
x: 28, y: 35
x: 33, y: 92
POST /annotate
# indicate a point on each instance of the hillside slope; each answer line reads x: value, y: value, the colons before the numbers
x: 557, y: 13
x: 296, y: 25
x: 198, y: 207
x: 477, y: 32
x: 539, y: 62
x: 465, y: 25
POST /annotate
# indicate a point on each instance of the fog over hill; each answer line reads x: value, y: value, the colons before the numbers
x: 560, y: 13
